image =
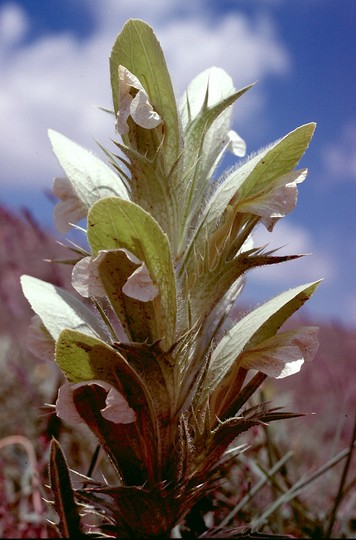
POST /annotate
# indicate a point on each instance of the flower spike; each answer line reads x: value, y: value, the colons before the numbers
x: 156, y: 363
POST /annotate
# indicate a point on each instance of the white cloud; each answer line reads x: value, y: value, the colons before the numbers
x: 339, y: 157
x: 57, y: 81
x: 247, y: 49
x: 13, y: 26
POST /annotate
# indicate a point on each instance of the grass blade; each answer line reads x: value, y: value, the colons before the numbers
x: 340, y: 492
x: 297, y: 488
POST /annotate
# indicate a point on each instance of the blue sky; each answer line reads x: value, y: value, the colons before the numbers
x: 54, y: 74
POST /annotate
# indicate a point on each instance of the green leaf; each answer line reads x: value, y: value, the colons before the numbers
x: 85, y: 358
x: 90, y: 177
x: 121, y: 442
x: 256, y: 175
x: 135, y: 316
x: 155, y: 190
x: 114, y: 223
x: 206, y: 113
x: 278, y: 159
x: 58, y: 309
x: 156, y: 182
x: 206, y: 134
x: 206, y: 90
x: 211, y: 284
x: 138, y: 49
x: 157, y: 370
x: 217, y: 256
x: 64, y: 499
x: 257, y: 326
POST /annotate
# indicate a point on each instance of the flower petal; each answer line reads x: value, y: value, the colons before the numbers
x: 86, y: 279
x: 133, y: 103
x: 283, y: 354
x: 39, y: 340
x: 140, y: 285
x: 236, y: 144
x: 121, y: 125
x: 117, y: 409
x: 69, y: 209
x: 273, y: 204
x: 131, y: 257
x: 65, y: 408
x: 143, y: 113
x: 87, y: 282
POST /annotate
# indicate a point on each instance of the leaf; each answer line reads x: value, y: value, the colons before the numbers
x: 217, y: 317
x: 278, y: 159
x: 206, y: 113
x: 135, y: 316
x: 114, y: 223
x: 258, y: 174
x: 85, y: 358
x: 156, y: 368
x: 207, y: 89
x: 116, y: 409
x: 137, y: 49
x: 90, y: 178
x: 277, y: 202
x: 156, y: 182
x: 256, y: 327
x: 218, y: 440
x: 58, y: 309
x: 139, y: 512
x: 64, y: 499
x: 211, y: 284
x: 217, y: 254
x: 156, y: 191
x: 241, y: 397
x: 135, y: 448
x: 157, y: 371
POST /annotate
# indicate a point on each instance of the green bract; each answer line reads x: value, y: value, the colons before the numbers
x: 47, y: 300
x: 114, y: 223
x: 88, y: 179
x: 158, y: 369
x: 153, y: 153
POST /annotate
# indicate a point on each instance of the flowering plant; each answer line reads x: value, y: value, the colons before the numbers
x: 154, y: 364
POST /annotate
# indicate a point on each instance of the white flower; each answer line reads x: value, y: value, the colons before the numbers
x: 140, y: 285
x: 70, y: 209
x: 276, y: 202
x: 236, y: 144
x: 283, y: 354
x: 87, y: 282
x: 117, y: 409
x: 137, y: 106
x: 85, y: 277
